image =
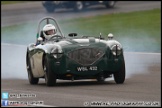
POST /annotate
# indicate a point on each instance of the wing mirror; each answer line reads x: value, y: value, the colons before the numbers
x: 40, y: 40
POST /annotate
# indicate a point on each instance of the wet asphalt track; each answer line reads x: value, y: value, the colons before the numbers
x: 142, y: 84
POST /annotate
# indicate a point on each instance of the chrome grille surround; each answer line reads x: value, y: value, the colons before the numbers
x: 86, y: 56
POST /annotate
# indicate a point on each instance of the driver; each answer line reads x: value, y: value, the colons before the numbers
x: 49, y: 30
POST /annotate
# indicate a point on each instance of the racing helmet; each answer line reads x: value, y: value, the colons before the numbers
x: 49, y: 28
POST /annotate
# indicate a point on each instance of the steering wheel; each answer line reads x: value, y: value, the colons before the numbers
x: 55, y: 37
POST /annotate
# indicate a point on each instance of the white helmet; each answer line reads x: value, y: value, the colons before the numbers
x: 47, y: 28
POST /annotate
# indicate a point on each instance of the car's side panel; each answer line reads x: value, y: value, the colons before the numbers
x: 35, y: 54
x: 33, y: 65
x: 38, y: 63
x: 37, y: 58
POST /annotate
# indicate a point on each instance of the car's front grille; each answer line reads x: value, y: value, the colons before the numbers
x: 86, y: 56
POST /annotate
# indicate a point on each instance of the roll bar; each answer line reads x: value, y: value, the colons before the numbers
x: 47, y: 22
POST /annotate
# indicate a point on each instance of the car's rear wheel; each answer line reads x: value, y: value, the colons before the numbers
x: 31, y: 78
x: 50, y: 77
x: 110, y: 4
x: 119, y: 76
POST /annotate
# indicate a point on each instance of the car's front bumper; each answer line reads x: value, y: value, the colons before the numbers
x: 66, y: 66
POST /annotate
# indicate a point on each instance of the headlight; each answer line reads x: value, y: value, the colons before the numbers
x: 116, y: 50
x: 57, y: 53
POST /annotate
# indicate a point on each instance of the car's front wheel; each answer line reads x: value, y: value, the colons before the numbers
x: 78, y: 6
x: 50, y: 77
x: 31, y: 78
x: 119, y: 76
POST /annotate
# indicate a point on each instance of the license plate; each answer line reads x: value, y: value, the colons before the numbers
x: 87, y: 68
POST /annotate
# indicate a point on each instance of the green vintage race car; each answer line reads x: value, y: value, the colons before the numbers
x: 74, y: 57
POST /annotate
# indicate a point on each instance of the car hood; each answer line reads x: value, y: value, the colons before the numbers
x: 72, y: 44
x: 67, y: 45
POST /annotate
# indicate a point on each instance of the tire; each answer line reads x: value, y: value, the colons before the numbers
x: 119, y: 76
x: 78, y: 6
x: 50, y: 77
x: 31, y: 78
x: 110, y: 4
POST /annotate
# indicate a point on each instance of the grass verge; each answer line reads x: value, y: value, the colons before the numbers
x: 136, y: 31
x: 12, y: 2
